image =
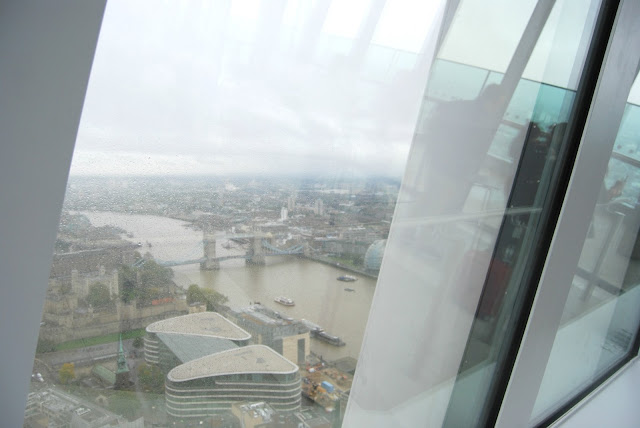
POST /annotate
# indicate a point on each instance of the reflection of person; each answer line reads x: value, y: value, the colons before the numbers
x: 459, y: 133
x: 524, y: 150
x: 613, y: 192
x: 607, y: 197
x: 538, y: 151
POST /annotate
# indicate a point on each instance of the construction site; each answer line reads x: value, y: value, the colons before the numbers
x: 326, y: 385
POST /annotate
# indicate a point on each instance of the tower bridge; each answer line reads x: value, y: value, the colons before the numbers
x: 260, y: 248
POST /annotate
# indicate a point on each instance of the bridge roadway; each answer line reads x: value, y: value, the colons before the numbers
x: 270, y: 251
x: 171, y: 263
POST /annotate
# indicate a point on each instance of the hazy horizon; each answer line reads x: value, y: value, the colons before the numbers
x: 242, y: 87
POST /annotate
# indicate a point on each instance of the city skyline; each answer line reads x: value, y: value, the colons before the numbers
x: 169, y: 264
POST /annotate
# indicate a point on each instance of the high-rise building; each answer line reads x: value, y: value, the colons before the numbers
x: 319, y: 207
x: 291, y: 203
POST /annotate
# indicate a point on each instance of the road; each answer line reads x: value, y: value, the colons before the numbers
x: 89, y: 354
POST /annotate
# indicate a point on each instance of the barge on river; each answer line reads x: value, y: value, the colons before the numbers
x: 318, y: 332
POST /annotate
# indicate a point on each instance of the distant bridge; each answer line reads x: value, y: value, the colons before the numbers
x: 260, y: 248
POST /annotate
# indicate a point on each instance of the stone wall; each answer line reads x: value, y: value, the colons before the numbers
x: 71, y: 326
x: 80, y: 283
x: 90, y: 260
x: 60, y: 303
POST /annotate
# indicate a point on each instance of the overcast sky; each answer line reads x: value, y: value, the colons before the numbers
x: 290, y: 86
x: 227, y: 87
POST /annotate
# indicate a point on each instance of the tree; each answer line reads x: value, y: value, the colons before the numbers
x: 204, y: 295
x: 154, y: 275
x: 213, y: 298
x: 138, y: 342
x: 127, y: 281
x: 357, y: 259
x: 67, y: 373
x: 45, y: 345
x: 151, y: 378
x: 145, y: 283
x: 194, y: 294
x: 99, y: 295
x: 125, y: 403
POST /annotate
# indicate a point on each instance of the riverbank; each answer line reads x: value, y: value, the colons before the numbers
x: 330, y: 262
x: 311, y: 283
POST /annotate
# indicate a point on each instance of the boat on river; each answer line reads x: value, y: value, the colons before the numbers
x: 284, y: 301
x: 347, y: 278
x: 349, y: 289
x: 319, y: 333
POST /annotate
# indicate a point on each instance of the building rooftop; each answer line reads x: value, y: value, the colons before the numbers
x: 64, y: 407
x: 249, y: 359
x: 261, y: 314
x: 261, y: 318
x: 209, y: 324
x: 104, y: 373
x: 257, y: 413
x: 190, y: 347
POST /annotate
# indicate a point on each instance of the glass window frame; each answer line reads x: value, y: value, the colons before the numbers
x: 547, y: 307
x: 616, y: 76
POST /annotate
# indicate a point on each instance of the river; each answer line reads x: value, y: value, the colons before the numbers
x: 319, y: 297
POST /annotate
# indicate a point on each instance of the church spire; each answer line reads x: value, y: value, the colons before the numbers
x: 122, y: 373
x: 122, y: 360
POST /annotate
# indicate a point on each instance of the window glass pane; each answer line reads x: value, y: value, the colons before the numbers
x: 600, y: 320
x: 473, y: 202
x: 234, y: 179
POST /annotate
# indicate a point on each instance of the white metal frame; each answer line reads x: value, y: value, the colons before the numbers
x: 46, y: 52
x: 617, y: 76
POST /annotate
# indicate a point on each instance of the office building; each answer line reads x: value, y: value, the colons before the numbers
x: 209, y: 364
x: 285, y: 335
x: 211, y: 384
x: 174, y: 341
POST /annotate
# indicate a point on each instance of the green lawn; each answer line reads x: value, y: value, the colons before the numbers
x: 346, y: 261
x: 99, y: 340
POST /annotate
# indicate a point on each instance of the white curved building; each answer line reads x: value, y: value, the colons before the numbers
x: 209, y: 366
x: 210, y: 384
x: 174, y: 341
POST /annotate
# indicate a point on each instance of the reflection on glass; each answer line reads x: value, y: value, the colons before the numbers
x: 480, y: 173
x: 600, y: 318
x: 234, y: 180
